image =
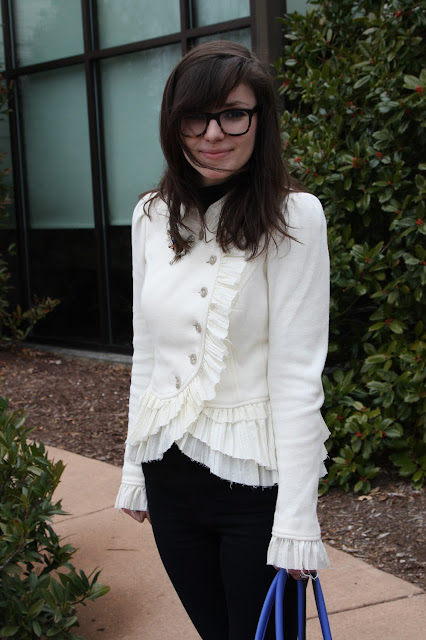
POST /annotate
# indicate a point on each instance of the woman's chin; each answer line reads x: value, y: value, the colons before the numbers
x: 210, y: 177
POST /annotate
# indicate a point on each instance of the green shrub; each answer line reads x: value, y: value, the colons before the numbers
x: 353, y: 131
x: 16, y: 324
x: 39, y: 587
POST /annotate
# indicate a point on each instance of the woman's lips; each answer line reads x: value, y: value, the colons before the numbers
x: 216, y: 154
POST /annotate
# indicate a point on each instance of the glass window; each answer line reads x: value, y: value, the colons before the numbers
x: 134, y: 20
x: 62, y: 244
x: 120, y: 282
x: 8, y: 234
x: 206, y: 12
x: 301, y: 6
x: 47, y: 29
x: 2, y: 60
x: 57, y: 152
x: 8, y: 220
x: 241, y: 36
x: 132, y: 88
x: 63, y: 265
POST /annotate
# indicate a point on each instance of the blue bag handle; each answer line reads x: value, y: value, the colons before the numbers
x: 322, y: 611
x: 301, y: 610
x: 276, y: 594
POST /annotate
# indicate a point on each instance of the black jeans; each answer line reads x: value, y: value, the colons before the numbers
x: 212, y: 537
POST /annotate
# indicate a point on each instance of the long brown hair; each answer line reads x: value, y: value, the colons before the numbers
x: 253, y: 208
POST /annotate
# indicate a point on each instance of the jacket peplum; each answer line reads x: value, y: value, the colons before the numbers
x: 227, y: 364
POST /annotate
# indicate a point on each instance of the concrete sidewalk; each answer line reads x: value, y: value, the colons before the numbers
x: 363, y: 602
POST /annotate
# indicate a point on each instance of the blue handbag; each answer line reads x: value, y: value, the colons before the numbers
x: 276, y: 595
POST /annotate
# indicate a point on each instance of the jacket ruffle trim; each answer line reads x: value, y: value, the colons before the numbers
x: 228, y: 467
x: 297, y: 554
x: 159, y: 422
x: 243, y: 432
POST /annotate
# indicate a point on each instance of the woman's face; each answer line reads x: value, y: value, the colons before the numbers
x: 225, y: 154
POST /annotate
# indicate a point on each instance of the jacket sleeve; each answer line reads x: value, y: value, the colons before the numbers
x: 298, y: 299
x: 132, y: 494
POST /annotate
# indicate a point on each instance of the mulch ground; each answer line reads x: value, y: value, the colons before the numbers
x: 81, y: 405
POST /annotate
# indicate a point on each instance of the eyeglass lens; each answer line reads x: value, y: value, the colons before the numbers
x: 233, y: 122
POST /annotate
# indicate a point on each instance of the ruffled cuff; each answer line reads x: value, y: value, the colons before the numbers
x: 286, y: 553
x: 132, y: 497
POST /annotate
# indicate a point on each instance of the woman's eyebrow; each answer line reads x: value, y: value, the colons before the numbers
x: 236, y: 103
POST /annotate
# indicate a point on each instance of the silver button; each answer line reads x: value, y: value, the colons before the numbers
x: 177, y: 382
x: 193, y: 358
x: 198, y: 327
x: 212, y: 260
x: 204, y: 291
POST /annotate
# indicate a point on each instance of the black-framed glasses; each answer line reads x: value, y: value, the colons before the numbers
x: 233, y: 122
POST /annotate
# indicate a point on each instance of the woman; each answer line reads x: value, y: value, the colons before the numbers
x: 230, y: 265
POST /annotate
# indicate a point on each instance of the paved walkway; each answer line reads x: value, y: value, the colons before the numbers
x: 363, y: 603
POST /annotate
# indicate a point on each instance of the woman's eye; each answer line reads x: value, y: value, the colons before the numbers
x: 195, y: 117
x: 235, y: 114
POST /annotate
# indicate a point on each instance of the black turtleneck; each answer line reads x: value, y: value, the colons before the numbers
x: 213, y: 193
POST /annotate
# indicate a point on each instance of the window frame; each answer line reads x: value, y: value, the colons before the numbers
x: 266, y: 40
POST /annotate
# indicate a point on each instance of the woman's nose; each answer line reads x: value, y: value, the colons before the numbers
x: 213, y: 131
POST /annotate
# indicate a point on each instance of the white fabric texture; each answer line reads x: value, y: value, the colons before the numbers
x: 228, y: 356
x: 297, y: 554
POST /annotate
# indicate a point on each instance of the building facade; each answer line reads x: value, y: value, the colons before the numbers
x: 86, y: 79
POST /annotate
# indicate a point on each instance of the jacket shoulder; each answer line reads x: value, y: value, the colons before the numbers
x: 304, y: 210
x: 149, y: 207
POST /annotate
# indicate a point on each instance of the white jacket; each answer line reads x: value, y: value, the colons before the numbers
x: 227, y: 363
